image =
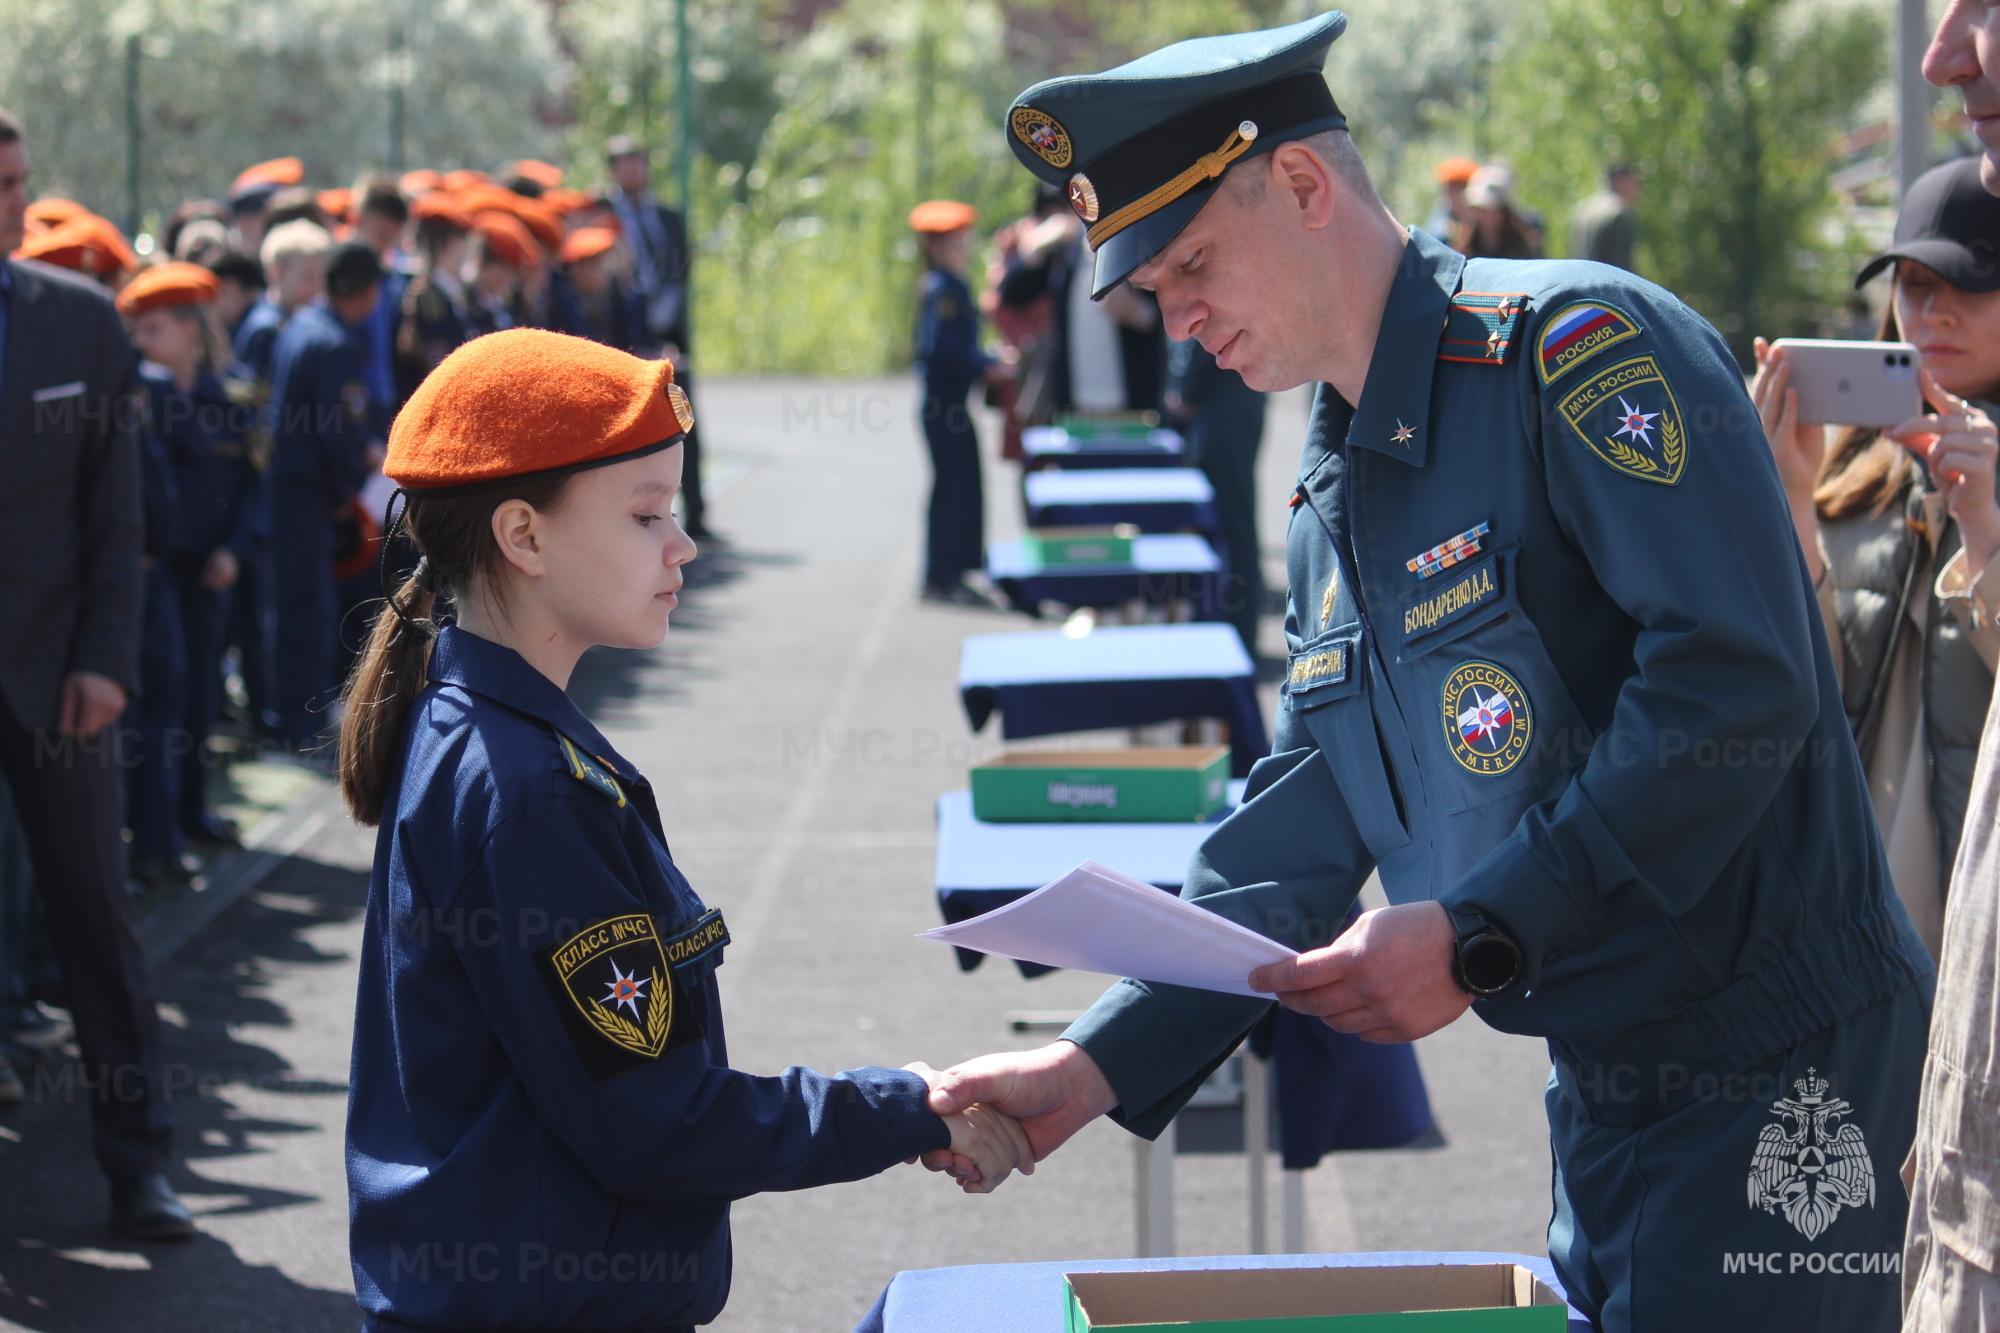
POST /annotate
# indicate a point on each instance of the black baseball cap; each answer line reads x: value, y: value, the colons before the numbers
x: 351, y: 268
x: 1950, y: 225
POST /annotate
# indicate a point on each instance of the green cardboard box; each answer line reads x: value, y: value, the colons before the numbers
x: 1431, y: 1298
x: 1054, y: 548
x: 1165, y: 784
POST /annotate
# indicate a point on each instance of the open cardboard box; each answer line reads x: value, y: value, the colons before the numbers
x: 1428, y: 1298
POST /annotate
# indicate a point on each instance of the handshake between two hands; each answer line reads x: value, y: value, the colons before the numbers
x: 987, y: 1146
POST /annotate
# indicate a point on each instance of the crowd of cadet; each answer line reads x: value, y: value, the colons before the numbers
x: 256, y: 347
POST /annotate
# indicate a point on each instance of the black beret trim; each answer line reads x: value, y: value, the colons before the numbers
x: 1130, y: 168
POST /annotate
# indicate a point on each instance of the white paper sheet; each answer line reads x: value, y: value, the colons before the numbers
x: 1096, y: 920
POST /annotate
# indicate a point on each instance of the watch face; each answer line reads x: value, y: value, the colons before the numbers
x: 1490, y: 961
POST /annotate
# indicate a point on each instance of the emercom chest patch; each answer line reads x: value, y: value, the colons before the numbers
x: 620, y: 1000
x: 1630, y: 419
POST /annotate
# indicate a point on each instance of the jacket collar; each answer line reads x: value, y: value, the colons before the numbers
x: 504, y: 676
x: 1393, y: 416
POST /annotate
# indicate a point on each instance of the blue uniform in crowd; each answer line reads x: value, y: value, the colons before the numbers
x: 950, y: 361
x: 320, y: 416
x: 1224, y: 421
x: 1604, y: 727
x: 152, y: 715
x: 257, y: 335
x: 215, y: 447
x: 543, y: 1130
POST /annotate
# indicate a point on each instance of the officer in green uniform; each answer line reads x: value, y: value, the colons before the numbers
x: 1555, y: 673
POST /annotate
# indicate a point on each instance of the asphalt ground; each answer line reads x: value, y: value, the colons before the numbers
x: 798, y: 724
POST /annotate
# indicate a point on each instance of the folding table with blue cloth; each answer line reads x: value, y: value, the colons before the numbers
x: 1047, y: 682
x: 1164, y: 568
x: 1064, y: 447
x: 1157, y: 499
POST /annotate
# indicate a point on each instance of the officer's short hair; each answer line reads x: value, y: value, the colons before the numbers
x: 386, y: 200
x: 1333, y: 147
x: 10, y: 127
x: 297, y: 239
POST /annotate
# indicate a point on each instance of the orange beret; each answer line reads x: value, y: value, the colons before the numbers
x: 421, y: 181
x: 937, y: 216
x: 437, y: 206
x: 54, y: 212
x: 336, y: 204
x: 545, y: 174
x: 565, y: 201
x: 278, y: 171
x: 507, y: 239
x: 526, y: 403
x: 587, y: 243
x: 541, y: 222
x: 87, y: 244
x: 461, y: 179
x: 168, y: 284
x: 1455, y: 170
x: 481, y: 196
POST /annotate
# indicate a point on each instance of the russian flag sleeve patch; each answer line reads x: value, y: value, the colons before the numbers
x: 1577, y: 332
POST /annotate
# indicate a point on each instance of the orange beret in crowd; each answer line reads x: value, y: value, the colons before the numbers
x: 87, y: 244
x: 1455, y: 170
x: 165, y: 285
x: 336, y: 204
x: 421, y: 181
x: 278, y: 171
x: 937, y: 216
x: 541, y: 222
x: 481, y: 196
x: 54, y: 212
x: 587, y: 243
x: 545, y: 174
x: 437, y: 206
x: 527, y: 402
x: 507, y: 239
x: 462, y: 179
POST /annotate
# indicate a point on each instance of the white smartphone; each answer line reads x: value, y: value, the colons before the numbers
x: 1853, y: 383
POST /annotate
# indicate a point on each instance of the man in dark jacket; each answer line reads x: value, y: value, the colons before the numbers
x: 69, y: 645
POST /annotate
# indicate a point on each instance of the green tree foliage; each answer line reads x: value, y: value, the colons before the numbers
x: 1730, y: 109
x: 225, y: 83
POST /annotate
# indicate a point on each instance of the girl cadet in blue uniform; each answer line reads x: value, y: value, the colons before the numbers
x: 949, y: 359
x: 202, y: 411
x: 543, y: 1128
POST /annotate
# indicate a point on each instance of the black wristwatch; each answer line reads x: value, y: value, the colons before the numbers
x: 1484, y: 959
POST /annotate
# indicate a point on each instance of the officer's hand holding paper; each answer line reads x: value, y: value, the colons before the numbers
x: 1096, y: 920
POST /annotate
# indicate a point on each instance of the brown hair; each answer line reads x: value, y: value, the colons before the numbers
x: 1864, y: 471
x: 454, y: 538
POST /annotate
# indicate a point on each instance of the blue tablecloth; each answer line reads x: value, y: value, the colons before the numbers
x: 1028, y: 1298
x: 1042, y: 446
x: 1164, y: 568
x: 1157, y: 499
x: 1045, y: 682
x: 1333, y: 1092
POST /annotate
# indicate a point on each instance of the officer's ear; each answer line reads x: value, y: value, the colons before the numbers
x: 1308, y: 182
x: 517, y: 532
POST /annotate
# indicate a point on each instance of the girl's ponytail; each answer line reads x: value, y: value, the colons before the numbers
x: 387, y: 678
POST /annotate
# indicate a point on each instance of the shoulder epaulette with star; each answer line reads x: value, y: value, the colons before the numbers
x: 587, y: 770
x: 1480, y: 326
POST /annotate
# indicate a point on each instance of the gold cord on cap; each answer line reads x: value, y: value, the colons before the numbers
x: 1206, y: 168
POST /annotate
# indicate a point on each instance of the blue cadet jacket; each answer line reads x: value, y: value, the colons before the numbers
x: 543, y: 1130
x: 1554, y: 662
x: 212, y: 436
x: 948, y: 353
x: 257, y: 335
x: 319, y: 408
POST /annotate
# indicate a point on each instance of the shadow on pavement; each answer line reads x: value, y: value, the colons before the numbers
x: 61, y: 1267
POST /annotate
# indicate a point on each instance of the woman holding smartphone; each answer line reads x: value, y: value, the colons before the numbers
x: 1901, y: 529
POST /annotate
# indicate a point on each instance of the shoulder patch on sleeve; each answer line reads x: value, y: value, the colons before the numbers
x: 1628, y: 416
x: 587, y: 770
x: 1480, y: 326
x: 1577, y: 332
x: 619, y: 999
